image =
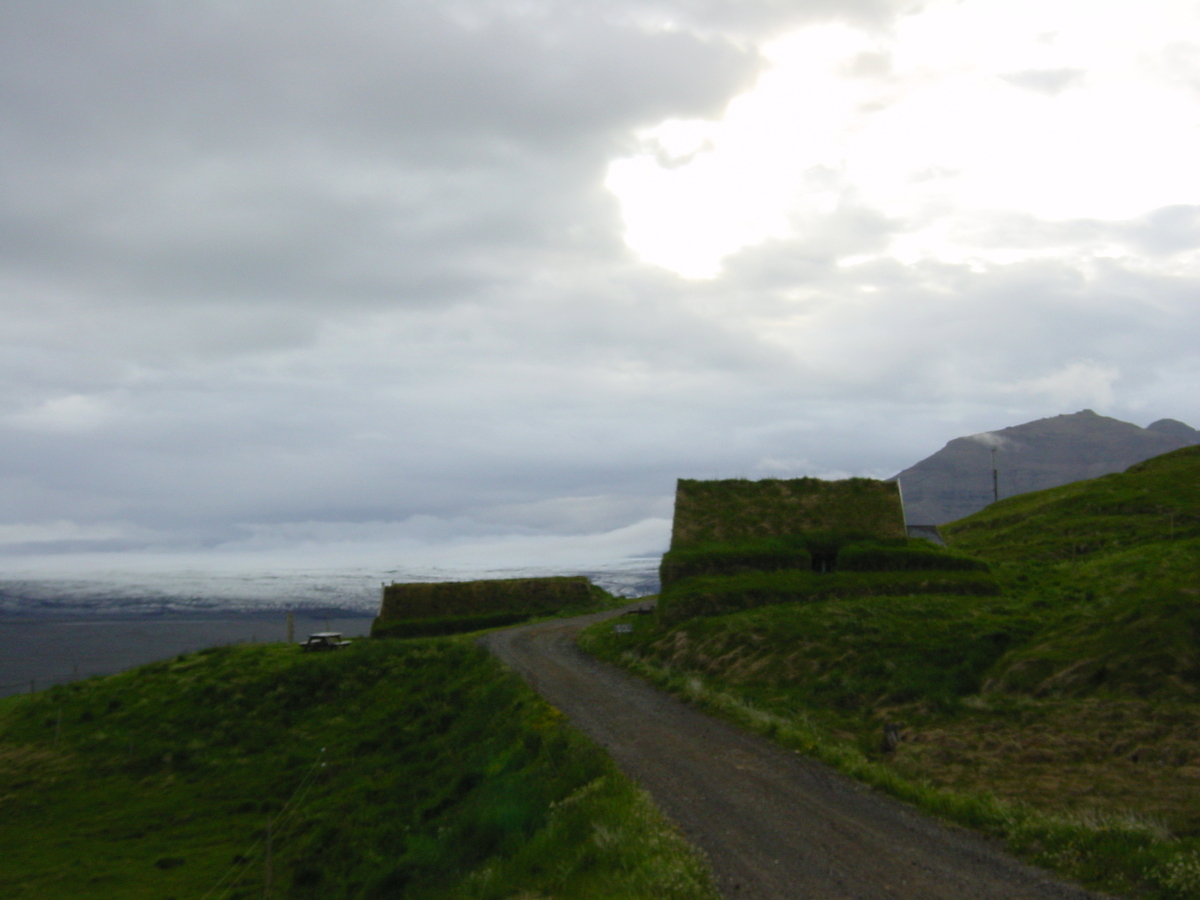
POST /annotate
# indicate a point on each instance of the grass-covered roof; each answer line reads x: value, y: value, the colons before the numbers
x: 733, y: 510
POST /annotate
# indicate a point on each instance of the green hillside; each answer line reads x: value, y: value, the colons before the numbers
x: 391, y: 769
x: 1059, y: 709
x: 1153, y: 501
x: 1113, y: 564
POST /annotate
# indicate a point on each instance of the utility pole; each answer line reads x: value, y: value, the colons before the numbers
x: 995, y: 478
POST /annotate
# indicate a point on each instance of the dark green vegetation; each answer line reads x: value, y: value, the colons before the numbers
x: 1113, y: 564
x: 449, y: 607
x: 389, y: 769
x: 742, y: 544
x: 1151, y: 502
x: 721, y: 578
x: 1060, y: 712
x: 735, y: 510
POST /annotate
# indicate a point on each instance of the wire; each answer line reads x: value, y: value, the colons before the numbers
x: 293, y: 802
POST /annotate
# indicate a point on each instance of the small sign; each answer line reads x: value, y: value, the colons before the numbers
x: 623, y: 628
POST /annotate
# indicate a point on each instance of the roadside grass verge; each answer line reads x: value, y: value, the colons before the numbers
x: 1131, y: 853
x: 390, y: 769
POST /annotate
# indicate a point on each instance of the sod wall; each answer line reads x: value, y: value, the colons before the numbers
x: 721, y: 595
x: 446, y: 599
x: 738, y: 510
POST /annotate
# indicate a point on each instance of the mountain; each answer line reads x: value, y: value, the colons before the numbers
x: 957, y: 480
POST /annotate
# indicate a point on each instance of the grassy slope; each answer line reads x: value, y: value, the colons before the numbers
x: 390, y: 769
x: 1061, y: 714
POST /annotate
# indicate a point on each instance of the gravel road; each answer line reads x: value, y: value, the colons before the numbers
x: 773, y: 824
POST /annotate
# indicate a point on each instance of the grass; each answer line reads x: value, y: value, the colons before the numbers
x: 716, y: 595
x: 534, y: 596
x: 1153, y: 501
x: 960, y: 767
x: 407, y: 769
x: 431, y: 609
x: 737, y: 509
x: 796, y: 552
x: 1058, y: 713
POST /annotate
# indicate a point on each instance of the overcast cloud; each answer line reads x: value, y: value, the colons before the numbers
x: 487, y: 277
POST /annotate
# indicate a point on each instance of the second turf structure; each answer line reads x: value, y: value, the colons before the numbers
x: 425, y: 609
x: 738, y: 543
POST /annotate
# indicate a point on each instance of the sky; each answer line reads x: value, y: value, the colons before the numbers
x: 439, y: 283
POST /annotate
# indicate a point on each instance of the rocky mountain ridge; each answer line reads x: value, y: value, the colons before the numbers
x: 957, y: 480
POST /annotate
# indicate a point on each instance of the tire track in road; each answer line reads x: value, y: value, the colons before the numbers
x: 773, y: 824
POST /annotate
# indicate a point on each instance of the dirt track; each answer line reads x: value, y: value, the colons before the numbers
x: 774, y: 824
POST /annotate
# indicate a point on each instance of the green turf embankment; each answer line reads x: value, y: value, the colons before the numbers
x: 389, y: 769
x: 423, y: 609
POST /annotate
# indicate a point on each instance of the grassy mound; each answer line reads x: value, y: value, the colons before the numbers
x: 397, y: 769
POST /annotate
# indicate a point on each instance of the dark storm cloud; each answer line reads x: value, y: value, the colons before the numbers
x: 378, y: 154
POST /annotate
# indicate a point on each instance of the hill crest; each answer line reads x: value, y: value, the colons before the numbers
x: 957, y: 480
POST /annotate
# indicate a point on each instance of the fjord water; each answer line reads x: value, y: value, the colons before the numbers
x: 57, y: 629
